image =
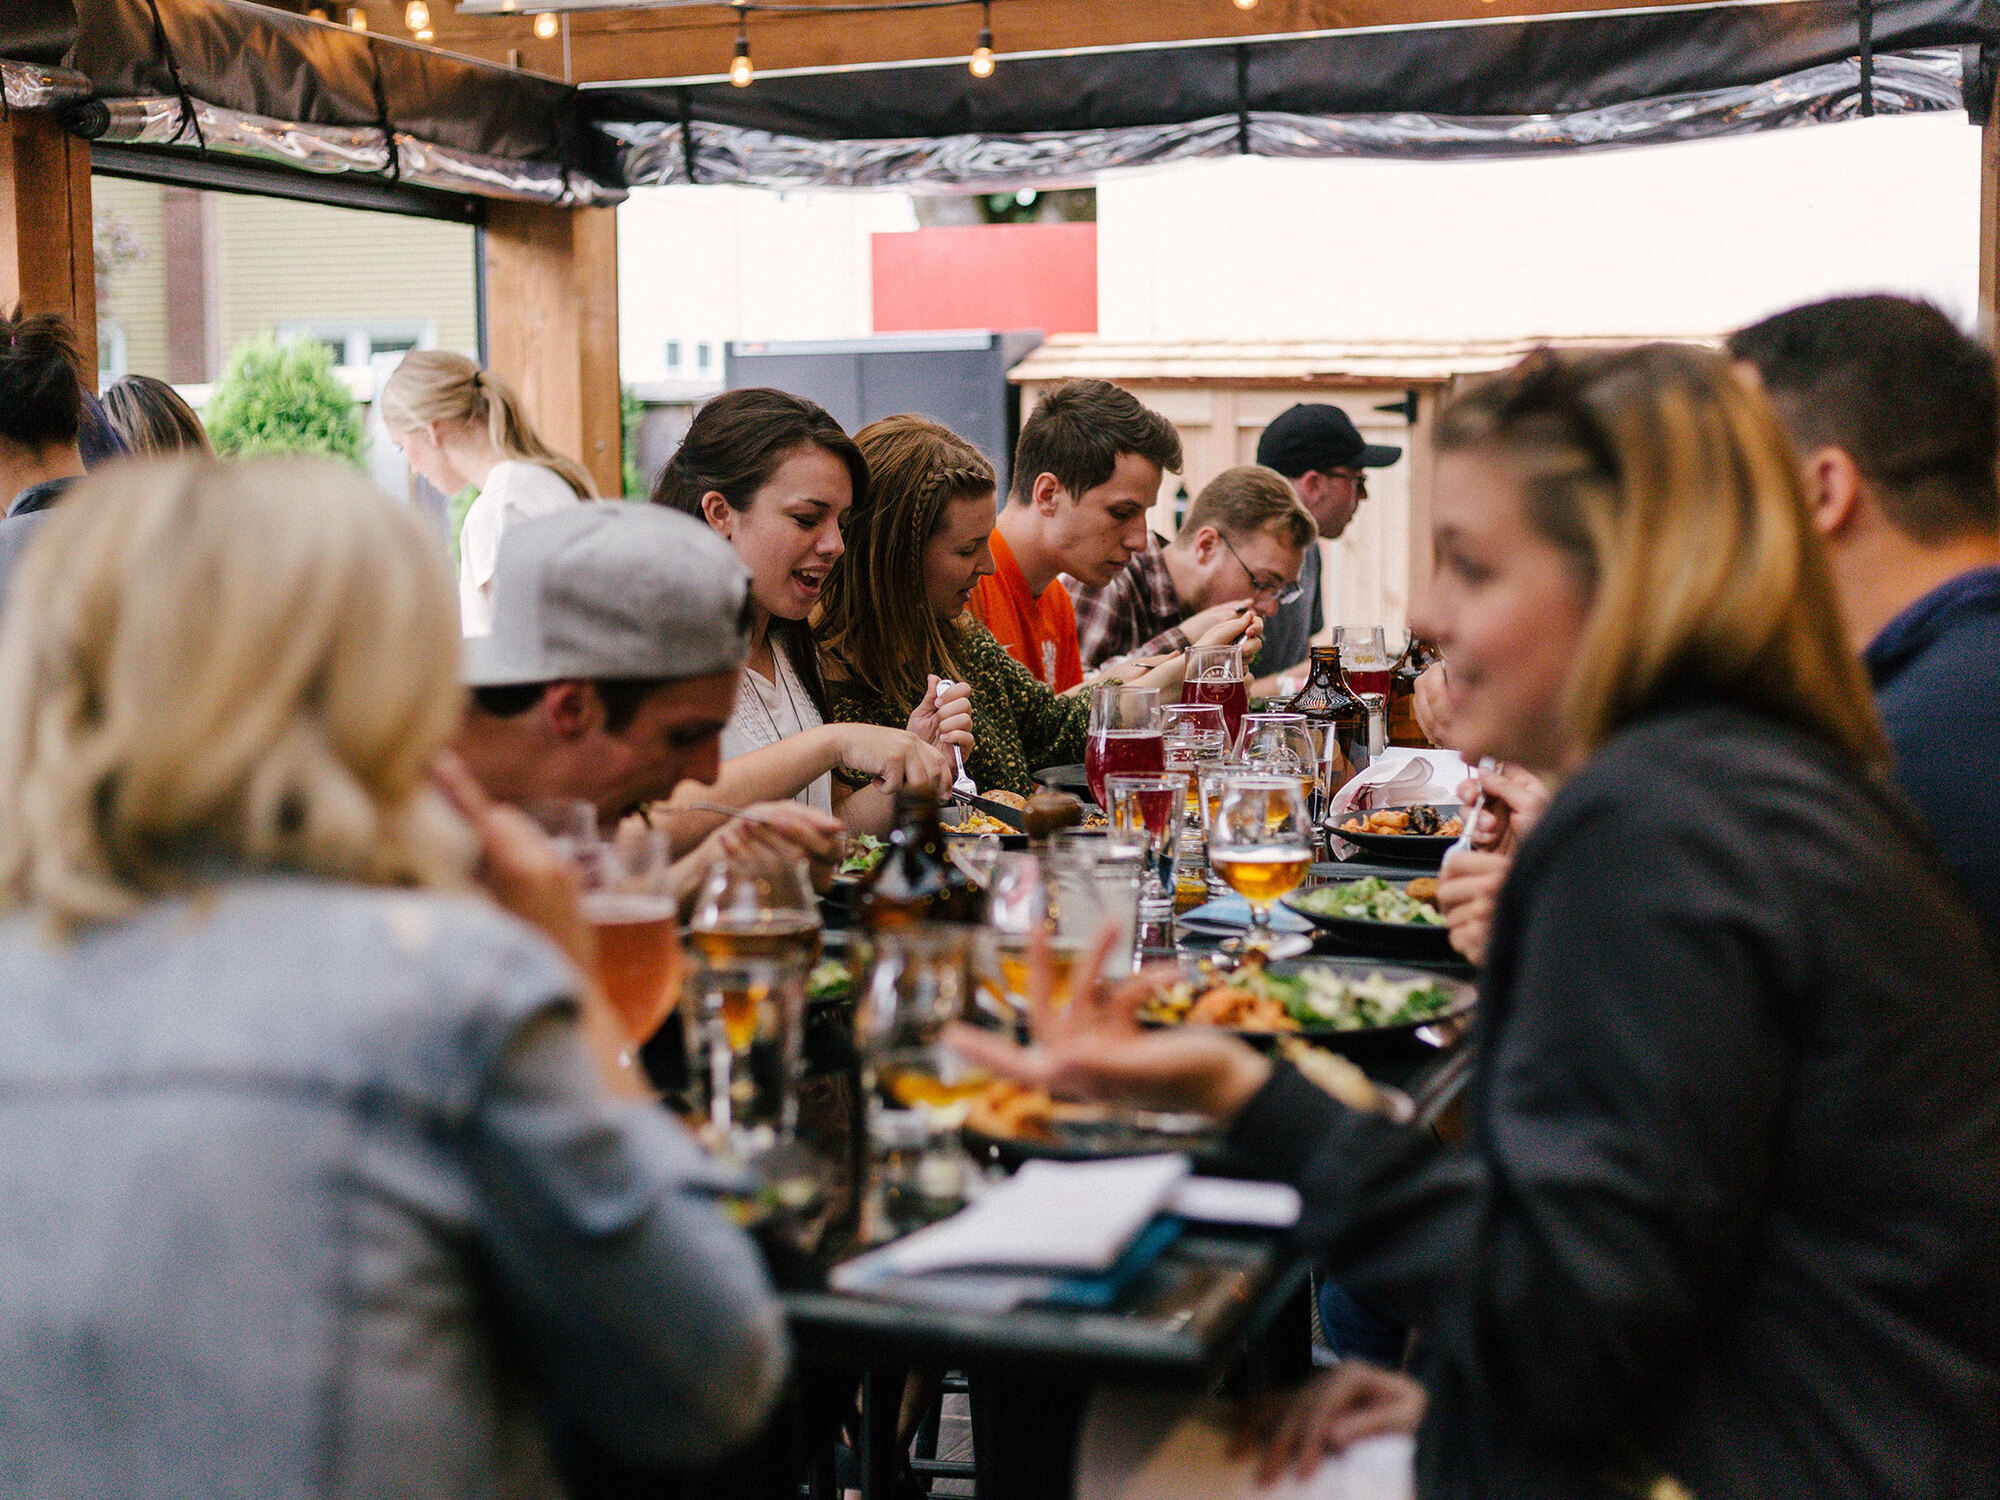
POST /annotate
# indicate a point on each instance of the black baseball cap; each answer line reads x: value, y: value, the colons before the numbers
x: 1319, y: 437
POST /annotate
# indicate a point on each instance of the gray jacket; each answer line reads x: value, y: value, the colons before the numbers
x: 311, y: 1190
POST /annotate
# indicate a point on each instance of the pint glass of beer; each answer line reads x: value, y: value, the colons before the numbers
x: 635, y: 922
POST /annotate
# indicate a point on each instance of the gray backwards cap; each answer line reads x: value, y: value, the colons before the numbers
x: 612, y: 589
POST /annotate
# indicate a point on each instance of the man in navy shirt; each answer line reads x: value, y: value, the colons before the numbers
x: 1896, y: 418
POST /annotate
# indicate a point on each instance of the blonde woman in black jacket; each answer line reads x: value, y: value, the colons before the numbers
x: 1727, y: 1216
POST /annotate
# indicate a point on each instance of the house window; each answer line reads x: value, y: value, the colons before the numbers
x: 356, y: 344
x: 673, y: 354
x: 704, y: 356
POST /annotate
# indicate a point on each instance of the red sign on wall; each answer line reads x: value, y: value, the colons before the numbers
x: 1041, y: 276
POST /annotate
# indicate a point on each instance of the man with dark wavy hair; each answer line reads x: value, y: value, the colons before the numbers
x: 1896, y: 417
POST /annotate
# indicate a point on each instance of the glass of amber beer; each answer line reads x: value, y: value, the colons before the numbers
x: 635, y: 922
x: 755, y: 933
x: 1260, y: 843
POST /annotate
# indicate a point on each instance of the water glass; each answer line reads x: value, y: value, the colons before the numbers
x: 1090, y: 890
x: 1146, y: 817
x: 756, y: 936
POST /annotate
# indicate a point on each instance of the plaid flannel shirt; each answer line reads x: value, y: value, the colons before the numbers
x: 1136, y: 614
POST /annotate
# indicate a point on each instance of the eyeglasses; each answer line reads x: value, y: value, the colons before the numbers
x: 1284, y: 593
x: 1358, y: 478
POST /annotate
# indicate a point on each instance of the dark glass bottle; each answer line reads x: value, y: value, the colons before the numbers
x: 1417, y: 657
x: 917, y: 880
x: 1331, y: 709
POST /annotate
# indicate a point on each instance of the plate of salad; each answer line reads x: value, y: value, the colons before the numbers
x: 1399, y: 919
x: 1348, y: 1005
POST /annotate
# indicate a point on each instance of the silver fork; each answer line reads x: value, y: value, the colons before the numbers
x: 964, y: 786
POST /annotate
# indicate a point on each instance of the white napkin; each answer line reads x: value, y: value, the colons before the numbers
x: 1049, y: 1216
x: 1145, y: 1444
x: 1401, y: 777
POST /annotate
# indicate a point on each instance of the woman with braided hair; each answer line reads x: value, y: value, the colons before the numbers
x: 894, y: 618
x: 460, y: 425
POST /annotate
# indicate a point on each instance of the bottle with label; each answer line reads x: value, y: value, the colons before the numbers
x: 917, y: 880
x: 1333, y: 713
x: 1417, y: 657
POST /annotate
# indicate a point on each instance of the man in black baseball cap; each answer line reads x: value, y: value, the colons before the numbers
x: 1318, y: 448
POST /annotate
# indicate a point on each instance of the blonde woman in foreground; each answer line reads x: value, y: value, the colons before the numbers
x: 460, y: 425
x: 1726, y: 1219
x: 303, y: 1131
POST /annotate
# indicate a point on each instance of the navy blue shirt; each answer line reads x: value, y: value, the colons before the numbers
x: 1936, y: 669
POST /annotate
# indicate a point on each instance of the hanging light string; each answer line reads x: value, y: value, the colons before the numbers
x: 742, y: 71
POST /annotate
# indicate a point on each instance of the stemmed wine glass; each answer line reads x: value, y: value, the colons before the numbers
x: 1281, y: 744
x: 756, y: 929
x: 1260, y: 843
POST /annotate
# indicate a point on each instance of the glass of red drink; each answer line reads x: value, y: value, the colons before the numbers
x: 1364, y: 657
x: 1125, y: 735
x: 1215, y: 674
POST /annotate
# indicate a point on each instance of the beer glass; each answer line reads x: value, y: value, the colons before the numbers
x: 1215, y: 674
x: 756, y: 936
x: 1260, y: 843
x: 635, y: 923
x: 1282, y: 744
x: 1197, y: 735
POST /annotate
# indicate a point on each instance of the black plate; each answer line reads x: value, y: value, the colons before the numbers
x: 1390, y: 939
x: 1067, y: 779
x: 1368, y: 1044
x: 1421, y: 849
x: 1071, y: 1143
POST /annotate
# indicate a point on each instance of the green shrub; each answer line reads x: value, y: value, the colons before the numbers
x: 283, y: 398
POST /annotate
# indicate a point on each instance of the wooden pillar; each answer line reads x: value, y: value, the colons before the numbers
x: 1989, y: 223
x: 552, y: 326
x: 46, y: 260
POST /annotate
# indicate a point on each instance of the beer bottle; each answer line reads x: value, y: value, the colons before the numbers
x: 1418, y: 655
x: 917, y: 880
x: 1332, y: 712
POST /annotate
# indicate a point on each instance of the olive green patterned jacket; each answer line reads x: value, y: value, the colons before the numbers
x: 1019, y: 724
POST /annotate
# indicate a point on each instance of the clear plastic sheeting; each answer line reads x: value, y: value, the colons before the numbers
x: 30, y: 86
x: 335, y: 148
x: 656, y: 153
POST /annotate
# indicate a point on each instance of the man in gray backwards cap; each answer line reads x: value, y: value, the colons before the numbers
x: 618, y: 634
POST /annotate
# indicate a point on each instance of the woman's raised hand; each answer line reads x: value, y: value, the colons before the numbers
x: 945, y: 718
x: 1094, y: 1048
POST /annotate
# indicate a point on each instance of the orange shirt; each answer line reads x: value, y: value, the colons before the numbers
x: 1040, y: 634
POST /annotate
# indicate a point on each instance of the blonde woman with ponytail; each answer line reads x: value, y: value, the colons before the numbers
x: 457, y: 425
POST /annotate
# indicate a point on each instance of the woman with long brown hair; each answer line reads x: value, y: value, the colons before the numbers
x: 460, y: 425
x: 775, y: 475
x: 1726, y: 1219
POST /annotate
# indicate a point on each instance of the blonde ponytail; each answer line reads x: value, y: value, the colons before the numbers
x: 435, y: 385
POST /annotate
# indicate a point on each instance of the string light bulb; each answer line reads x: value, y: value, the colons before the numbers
x: 740, y: 71
x: 545, y: 26
x: 417, y: 15
x: 426, y: 35
x: 982, y: 55
x: 1246, y: 4
x: 357, y: 18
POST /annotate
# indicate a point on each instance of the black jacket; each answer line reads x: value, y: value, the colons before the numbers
x: 1729, y: 1207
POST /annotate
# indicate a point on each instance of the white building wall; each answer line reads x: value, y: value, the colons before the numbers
x: 1695, y: 238
x: 718, y: 263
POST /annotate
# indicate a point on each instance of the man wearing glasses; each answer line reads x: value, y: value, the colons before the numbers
x: 1239, y: 550
x: 1318, y: 449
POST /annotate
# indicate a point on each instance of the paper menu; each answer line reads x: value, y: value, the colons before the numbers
x: 1145, y: 1444
x: 1052, y: 1216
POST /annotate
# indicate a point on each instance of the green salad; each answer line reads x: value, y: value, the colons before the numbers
x: 866, y: 853
x: 1254, y: 999
x: 1370, y: 900
x: 830, y: 980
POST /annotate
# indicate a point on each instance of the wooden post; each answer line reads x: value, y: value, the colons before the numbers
x: 46, y: 260
x: 1989, y: 223
x: 552, y: 326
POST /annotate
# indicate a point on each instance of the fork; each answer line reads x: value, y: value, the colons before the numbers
x: 964, y: 786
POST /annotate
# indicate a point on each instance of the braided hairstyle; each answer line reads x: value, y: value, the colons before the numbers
x: 875, y: 622
x: 41, y: 391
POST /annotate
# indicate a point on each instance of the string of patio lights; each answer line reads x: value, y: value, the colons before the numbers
x: 742, y: 72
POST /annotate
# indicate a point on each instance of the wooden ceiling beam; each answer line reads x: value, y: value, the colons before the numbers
x: 696, y: 40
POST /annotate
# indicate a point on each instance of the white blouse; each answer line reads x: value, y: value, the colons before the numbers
x: 514, y: 492
x: 767, y: 712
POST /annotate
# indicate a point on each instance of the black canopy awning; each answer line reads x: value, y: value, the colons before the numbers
x: 237, y: 78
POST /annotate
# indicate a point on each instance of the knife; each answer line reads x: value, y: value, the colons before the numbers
x: 1011, y: 816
